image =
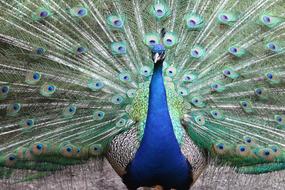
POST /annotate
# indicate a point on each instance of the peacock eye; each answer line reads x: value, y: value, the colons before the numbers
x: 151, y: 39
x: 221, y: 146
x: 29, y: 122
x: 40, y: 51
x: 269, y: 75
x: 71, y: 109
x: 117, y: 99
x: 125, y: 77
x: 227, y: 72
x: 50, y: 88
x: 5, y: 89
x: 16, y: 107
x: 279, y: 119
x: 258, y: 91
x: 39, y: 146
x: 95, y: 85
x: 115, y: 22
x: 152, y: 42
x: 194, y: 21
x: 121, y: 123
x: 271, y: 46
x: 242, y: 148
x: 266, y: 152
x: 131, y: 93
x: 119, y: 48
x: 68, y: 149
x: 81, y: 50
x: 36, y: 76
x: 160, y: 10
x: 96, y: 149
x: 79, y: 12
x: 98, y: 115
x: 170, y: 39
x: 41, y: 14
x: 266, y: 19
x: 182, y: 91
x: 224, y: 17
x: 217, y: 86
x: 199, y: 119
x: 189, y: 77
x: 44, y: 13
x: 171, y: 71
x: 233, y: 50
x: 197, y: 52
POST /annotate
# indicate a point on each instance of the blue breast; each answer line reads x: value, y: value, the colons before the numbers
x: 159, y: 160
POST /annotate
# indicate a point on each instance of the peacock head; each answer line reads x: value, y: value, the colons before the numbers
x: 158, y: 53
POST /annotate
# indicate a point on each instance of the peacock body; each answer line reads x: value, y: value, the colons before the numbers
x: 158, y: 87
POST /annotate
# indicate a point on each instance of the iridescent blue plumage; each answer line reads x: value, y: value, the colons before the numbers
x: 159, y: 159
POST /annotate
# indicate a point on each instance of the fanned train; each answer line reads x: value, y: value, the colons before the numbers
x: 158, y: 87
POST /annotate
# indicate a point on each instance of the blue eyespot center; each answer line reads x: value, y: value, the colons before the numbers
x: 12, y: 158
x: 258, y: 91
x: 16, y: 107
x: 39, y: 146
x: 36, y: 76
x: 117, y: 23
x: 244, y: 104
x: 269, y: 75
x: 50, y: 88
x: 81, y: 12
x: 227, y: 72
x: 159, y: 12
x: 242, y: 149
x: 4, y: 89
x: 274, y: 149
x: 192, y: 22
x: 272, y: 46
x: 121, y: 49
x: 29, y: 122
x: 68, y: 149
x: 71, y: 109
x: 40, y: 51
x: 220, y: 146
x: 224, y: 17
x: 266, y: 153
x: 195, y: 52
x: 80, y: 49
x: 43, y: 14
x: 233, y: 50
x: 266, y: 19
x: 279, y: 119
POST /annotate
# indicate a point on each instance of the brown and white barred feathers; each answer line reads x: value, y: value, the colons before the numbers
x: 73, y: 76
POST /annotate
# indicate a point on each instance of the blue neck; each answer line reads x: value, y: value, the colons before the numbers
x: 159, y: 159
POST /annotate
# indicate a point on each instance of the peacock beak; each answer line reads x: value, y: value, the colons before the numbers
x: 156, y: 57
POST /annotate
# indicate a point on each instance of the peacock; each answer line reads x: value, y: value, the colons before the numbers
x: 157, y: 87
